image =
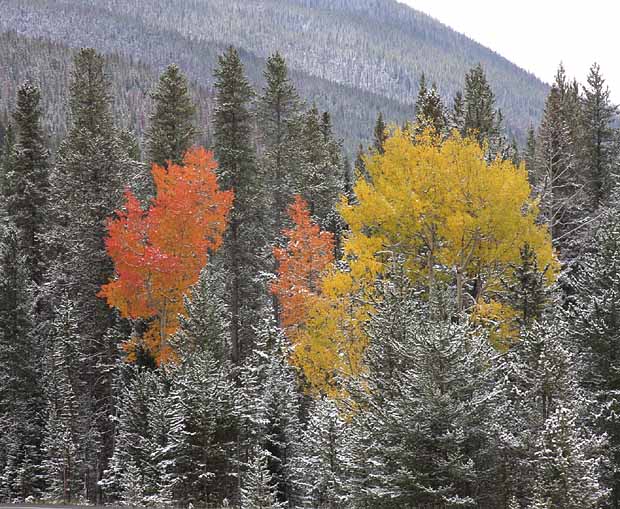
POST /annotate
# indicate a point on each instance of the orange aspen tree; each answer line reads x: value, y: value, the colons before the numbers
x: 308, y: 252
x: 158, y: 253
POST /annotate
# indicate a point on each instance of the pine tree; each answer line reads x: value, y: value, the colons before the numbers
x: 457, y: 116
x: 568, y: 463
x: 87, y: 181
x: 528, y: 293
x: 557, y: 181
x: 480, y: 117
x: 530, y: 154
x: 424, y: 438
x: 171, y: 124
x: 279, y: 115
x: 320, y: 462
x: 321, y: 181
x: 429, y: 111
x: 131, y: 476
x: 258, y: 491
x: 539, y: 378
x: 380, y: 134
x: 598, y: 144
x: 270, y: 408
x: 202, y: 402
x: 595, y: 318
x: 68, y: 436
x: 237, y: 165
x: 199, y: 464
x: 26, y: 182
x: 21, y: 405
x: 7, y: 159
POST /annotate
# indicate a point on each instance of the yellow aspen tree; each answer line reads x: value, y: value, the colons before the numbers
x: 454, y: 219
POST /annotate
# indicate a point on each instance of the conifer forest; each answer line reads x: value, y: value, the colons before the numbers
x: 250, y: 284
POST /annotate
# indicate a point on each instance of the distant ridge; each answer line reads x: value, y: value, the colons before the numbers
x: 353, y: 57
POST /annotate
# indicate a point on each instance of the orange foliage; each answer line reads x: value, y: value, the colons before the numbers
x: 158, y: 253
x: 309, y: 251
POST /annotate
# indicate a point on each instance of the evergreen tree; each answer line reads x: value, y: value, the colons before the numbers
x: 270, y: 409
x: 595, y: 318
x: 321, y: 182
x: 171, y: 124
x: 202, y: 402
x: 237, y: 164
x: 539, y: 379
x: 91, y: 170
x: 321, y: 461
x: 380, y: 134
x: 69, y: 440
x: 598, y: 145
x: 555, y: 169
x: 424, y: 438
x: 26, y: 182
x: 530, y: 154
x: 7, y: 158
x: 279, y: 115
x: 20, y: 388
x: 132, y: 475
x: 457, y: 116
x: 528, y: 294
x: 258, y: 491
x: 568, y: 464
x: 198, y: 460
x: 480, y: 117
x: 429, y: 111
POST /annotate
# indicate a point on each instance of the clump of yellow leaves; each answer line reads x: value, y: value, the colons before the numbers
x: 452, y: 216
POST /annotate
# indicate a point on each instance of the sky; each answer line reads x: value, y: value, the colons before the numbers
x: 539, y: 34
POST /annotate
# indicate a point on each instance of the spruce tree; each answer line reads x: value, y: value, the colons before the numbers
x: 595, y: 318
x: 538, y: 377
x: 171, y: 124
x: 556, y: 179
x: 21, y: 401
x: 530, y: 154
x: 320, y: 182
x: 7, y: 158
x: 424, y: 438
x: 457, y: 116
x: 279, y: 115
x: 430, y: 112
x: 131, y: 476
x: 86, y: 185
x: 568, y: 463
x: 258, y: 491
x: 237, y: 165
x: 320, y: 462
x: 270, y: 408
x: 202, y: 401
x: 380, y: 134
x: 528, y: 294
x: 26, y: 182
x: 598, y: 144
x: 480, y: 117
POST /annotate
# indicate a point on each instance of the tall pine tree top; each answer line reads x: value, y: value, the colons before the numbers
x: 598, y: 144
x: 171, y: 131
x: 233, y: 126
x: 27, y: 183
x: 89, y: 94
x: 480, y: 115
x: 380, y: 134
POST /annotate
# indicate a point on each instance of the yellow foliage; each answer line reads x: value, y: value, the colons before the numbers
x: 452, y: 216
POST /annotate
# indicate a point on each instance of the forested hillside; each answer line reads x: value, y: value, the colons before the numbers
x: 337, y: 55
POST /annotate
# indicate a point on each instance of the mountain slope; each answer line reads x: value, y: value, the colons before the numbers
x: 353, y: 57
